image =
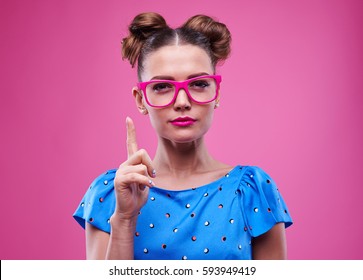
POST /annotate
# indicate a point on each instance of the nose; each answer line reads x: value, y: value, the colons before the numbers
x: 182, y: 101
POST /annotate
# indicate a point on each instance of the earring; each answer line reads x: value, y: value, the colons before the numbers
x: 143, y: 111
x: 216, y: 105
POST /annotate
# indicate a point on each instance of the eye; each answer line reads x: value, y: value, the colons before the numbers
x: 199, y: 84
x: 162, y: 87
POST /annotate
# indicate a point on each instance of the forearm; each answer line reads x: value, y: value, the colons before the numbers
x: 121, y: 242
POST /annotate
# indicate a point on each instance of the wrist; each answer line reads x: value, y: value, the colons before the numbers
x: 120, y: 221
x: 121, y: 242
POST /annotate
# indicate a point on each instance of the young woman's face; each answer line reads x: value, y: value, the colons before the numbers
x: 179, y: 63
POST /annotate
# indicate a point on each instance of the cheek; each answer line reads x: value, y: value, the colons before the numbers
x: 208, y: 119
x: 156, y: 118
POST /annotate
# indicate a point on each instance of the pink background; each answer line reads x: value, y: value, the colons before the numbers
x: 292, y: 104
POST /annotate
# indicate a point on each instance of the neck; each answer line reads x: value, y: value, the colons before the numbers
x: 182, y: 159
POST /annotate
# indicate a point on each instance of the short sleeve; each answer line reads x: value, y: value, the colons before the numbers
x: 262, y: 203
x: 98, y: 203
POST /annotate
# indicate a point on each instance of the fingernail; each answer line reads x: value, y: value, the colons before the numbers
x: 153, y: 173
x: 151, y: 183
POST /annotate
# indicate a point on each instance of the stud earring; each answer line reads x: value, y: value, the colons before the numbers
x: 143, y: 111
x: 216, y: 105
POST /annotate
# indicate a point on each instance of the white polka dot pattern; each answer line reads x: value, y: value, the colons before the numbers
x: 214, y: 221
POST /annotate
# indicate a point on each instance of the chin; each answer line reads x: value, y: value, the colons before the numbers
x: 184, y: 141
x: 184, y: 137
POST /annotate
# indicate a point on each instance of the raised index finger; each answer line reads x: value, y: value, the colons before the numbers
x: 131, y: 137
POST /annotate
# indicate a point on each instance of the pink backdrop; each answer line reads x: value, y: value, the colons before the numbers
x: 292, y: 103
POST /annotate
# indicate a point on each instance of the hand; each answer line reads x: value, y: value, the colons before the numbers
x: 132, y: 180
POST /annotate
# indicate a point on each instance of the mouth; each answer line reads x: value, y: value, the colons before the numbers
x: 183, y: 121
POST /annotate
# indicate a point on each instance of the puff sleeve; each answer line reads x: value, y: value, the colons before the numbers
x: 98, y: 203
x: 262, y: 203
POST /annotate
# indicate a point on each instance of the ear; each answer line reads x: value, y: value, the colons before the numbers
x: 139, y: 100
x: 216, y: 104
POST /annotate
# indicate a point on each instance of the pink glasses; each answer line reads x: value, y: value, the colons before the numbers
x: 162, y: 93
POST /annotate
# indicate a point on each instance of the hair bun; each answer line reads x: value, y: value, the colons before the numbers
x: 217, y: 33
x: 141, y: 28
x: 146, y: 24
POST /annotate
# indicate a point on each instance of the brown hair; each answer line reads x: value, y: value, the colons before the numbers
x: 149, y: 32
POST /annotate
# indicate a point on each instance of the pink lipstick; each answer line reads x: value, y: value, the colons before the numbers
x: 183, y: 121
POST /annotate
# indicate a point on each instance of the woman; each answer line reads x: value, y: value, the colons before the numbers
x: 183, y: 204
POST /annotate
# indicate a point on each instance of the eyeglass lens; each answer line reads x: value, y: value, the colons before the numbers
x: 161, y: 93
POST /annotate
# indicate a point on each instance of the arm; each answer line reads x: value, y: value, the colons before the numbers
x: 117, y: 245
x: 131, y: 185
x: 270, y: 245
x: 96, y: 243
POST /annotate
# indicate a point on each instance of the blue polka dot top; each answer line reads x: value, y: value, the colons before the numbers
x: 213, y: 221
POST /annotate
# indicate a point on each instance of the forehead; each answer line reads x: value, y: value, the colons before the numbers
x: 178, y: 61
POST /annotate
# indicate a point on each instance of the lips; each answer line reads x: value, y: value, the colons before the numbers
x: 183, y: 121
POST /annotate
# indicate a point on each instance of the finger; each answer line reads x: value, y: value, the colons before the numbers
x: 133, y: 178
x: 139, y: 168
x: 131, y: 137
x: 141, y: 157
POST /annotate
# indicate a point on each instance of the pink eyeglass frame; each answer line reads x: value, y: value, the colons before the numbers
x: 180, y: 85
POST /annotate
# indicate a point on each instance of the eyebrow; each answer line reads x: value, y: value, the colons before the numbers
x: 170, y: 78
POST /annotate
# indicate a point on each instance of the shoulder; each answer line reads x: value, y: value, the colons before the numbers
x: 104, y: 178
x: 258, y: 181
x: 101, y: 188
x: 254, y: 176
x: 102, y: 185
x: 255, y: 172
